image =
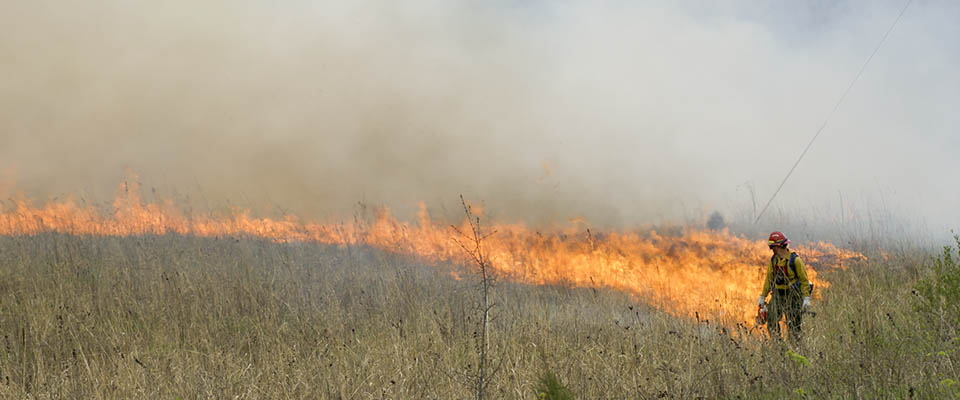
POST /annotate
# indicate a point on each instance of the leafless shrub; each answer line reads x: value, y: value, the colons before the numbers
x: 472, y: 244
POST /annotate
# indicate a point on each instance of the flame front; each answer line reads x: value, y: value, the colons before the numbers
x: 717, y: 275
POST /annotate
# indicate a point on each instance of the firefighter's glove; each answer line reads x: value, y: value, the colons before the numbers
x: 760, y: 302
x: 806, y: 302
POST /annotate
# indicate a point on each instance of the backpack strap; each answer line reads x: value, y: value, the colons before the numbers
x: 793, y: 265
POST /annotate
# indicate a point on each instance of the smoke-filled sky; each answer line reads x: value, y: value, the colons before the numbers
x: 620, y: 112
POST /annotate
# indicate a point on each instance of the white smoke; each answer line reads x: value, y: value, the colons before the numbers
x: 620, y: 112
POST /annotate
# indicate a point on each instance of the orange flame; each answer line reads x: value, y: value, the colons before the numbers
x: 717, y: 275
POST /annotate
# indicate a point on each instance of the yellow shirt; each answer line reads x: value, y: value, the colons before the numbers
x: 779, y: 265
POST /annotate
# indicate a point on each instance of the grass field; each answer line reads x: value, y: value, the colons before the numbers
x: 174, y: 316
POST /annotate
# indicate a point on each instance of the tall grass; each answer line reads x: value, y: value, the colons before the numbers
x: 182, y: 317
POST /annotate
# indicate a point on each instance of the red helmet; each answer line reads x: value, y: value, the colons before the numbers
x: 778, y: 239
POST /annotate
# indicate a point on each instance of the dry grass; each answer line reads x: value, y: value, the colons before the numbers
x: 183, y: 317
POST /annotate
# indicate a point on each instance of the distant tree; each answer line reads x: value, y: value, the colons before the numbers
x: 716, y: 221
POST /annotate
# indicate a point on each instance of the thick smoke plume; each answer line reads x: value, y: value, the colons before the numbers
x: 617, y: 112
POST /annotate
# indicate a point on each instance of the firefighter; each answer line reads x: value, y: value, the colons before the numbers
x: 787, y: 280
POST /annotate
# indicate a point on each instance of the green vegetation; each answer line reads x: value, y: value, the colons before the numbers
x: 938, y: 299
x: 550, y: 388
x: 183, y: 317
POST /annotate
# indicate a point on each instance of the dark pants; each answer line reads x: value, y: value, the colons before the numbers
x: 786, y: 303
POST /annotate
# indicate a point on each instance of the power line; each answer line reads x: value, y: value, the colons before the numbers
x: 835, y: 107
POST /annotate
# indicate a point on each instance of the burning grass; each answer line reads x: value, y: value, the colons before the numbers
x: 145, y: 301
x: 714, y: 275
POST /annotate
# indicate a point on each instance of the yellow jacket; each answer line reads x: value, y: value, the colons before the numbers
x: 779, y: 267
